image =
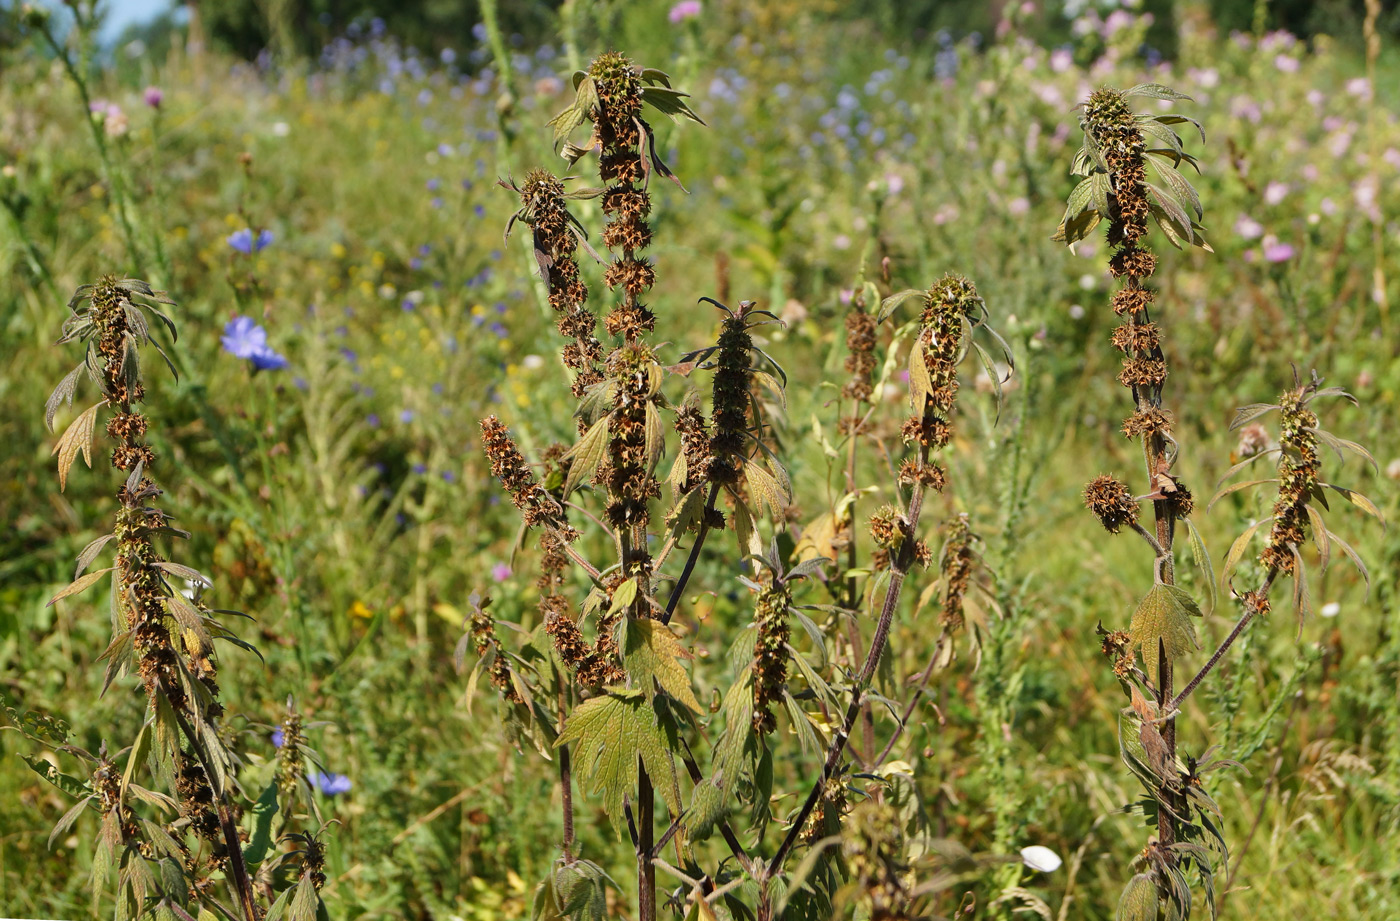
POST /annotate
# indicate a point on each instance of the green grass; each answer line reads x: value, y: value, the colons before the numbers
x: 354, y: 534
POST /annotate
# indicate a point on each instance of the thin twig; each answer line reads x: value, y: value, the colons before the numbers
x: 1214, y: 660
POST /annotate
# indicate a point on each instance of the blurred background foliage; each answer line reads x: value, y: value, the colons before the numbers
x: 344, y: 503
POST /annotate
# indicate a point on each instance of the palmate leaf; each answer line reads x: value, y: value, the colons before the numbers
x: 611, y: 735
x: 651, y: 652
x: 1164, y: 614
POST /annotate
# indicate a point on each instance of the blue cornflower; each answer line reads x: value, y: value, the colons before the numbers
x: 245, y: 339
x: 330, y: 784
x: 244, y: 242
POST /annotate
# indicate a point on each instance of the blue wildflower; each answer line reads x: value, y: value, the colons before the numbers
x: 244, y: 242
x: 406, y: 416
x: 245, y: 339
x: 278, y: 738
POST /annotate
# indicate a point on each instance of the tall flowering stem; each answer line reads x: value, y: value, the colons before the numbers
x: 166, y: 637
x: 1119, y: 149
x: 951, y: 310
x: 1115, y: 158
x: 621, y: 435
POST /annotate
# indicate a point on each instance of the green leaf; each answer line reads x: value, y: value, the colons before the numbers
x: 1352, y: 555
x: 184, y: 572
x: 1165, y: 613
x: 1155, y: 91
x: 766, y: 489
x: 1071, y: 232
x: 1179, y: 186
x: 90, y: 552
x: 585, y: 456
x: 1171, y: 207
x: 610, y: 735
x: 69, y: 818
x: 1236, y: 487
x: 581, y: 891
x: 623, y: 596
x: 669, y: 102
x: 260, y: 840
x: 1202, y: 557
x: 304, y: 901
x: 65, y: 782
x: 1139, y: 900
x: 1078, y: 200
x: 706, y: 809
x: 651, y: 651
x: 892, y: 303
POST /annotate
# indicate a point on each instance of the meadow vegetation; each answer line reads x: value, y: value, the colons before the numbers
x: 349, y: 313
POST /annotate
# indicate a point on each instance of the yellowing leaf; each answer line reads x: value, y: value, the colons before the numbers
x: 78, y: 437
x: 1165, y: 613
x: 79, y: 584
x: 653, y: 652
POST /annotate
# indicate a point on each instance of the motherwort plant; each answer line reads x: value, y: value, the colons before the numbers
x: 172, y: 840
x: 1120, y: 148
x: 602, y: 684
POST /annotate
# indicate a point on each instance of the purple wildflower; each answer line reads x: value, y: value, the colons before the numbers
x: 153, y: 96
x: 278, y: 738
x: 686, y: 9
x: 1274, y: 251
x: 500, y: 572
